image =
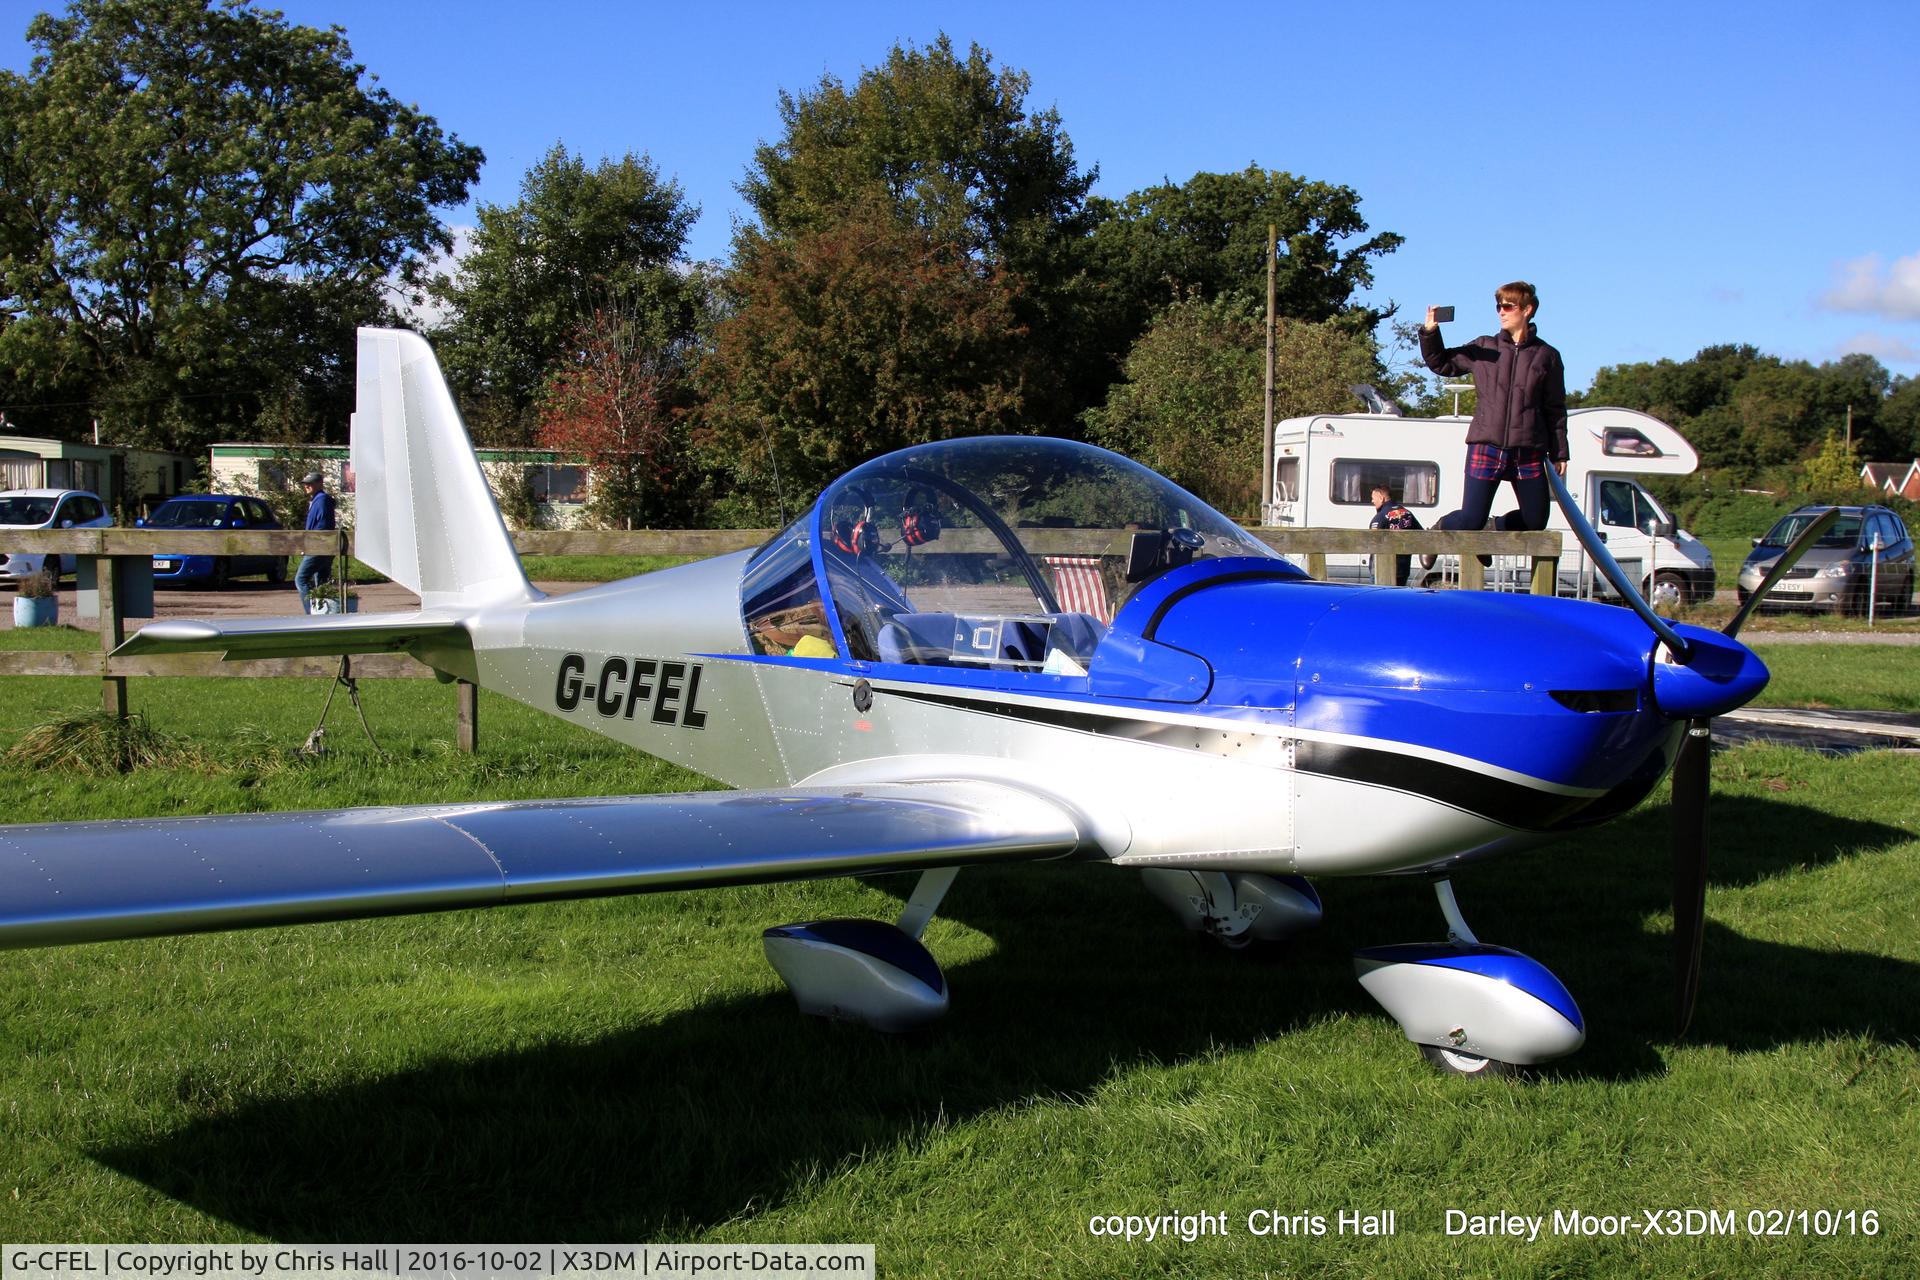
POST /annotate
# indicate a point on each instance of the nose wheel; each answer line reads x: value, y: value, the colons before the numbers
x: 1473, y: 1009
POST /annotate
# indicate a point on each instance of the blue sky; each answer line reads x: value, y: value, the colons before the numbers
x: 1669, y: 176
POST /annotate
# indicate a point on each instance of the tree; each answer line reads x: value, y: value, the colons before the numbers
x: 1745, y: 411
x: 195, y: 198
x: 1192, y: 401
x: 946, y: 145
x: 1207, y: 238
x: 617, y: 399
x: 868, y: 335
x: 611, y: 238
x: 1836, y: 466
x: 1900, y: 420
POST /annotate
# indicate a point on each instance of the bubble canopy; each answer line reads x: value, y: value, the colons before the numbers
x: 1001, y: 552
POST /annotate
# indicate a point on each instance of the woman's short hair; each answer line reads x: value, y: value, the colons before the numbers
x: 1520, y: 292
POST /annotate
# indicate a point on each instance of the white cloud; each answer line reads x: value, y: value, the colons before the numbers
x: 1883, y: 347
x: 1865, y: 286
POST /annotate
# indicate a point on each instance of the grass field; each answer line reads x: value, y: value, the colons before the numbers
x: 631, y: 1069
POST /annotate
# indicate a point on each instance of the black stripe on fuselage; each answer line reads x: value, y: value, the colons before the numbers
x: 1512, y: 803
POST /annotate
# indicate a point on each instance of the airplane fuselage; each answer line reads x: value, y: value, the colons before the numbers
x: 1291, y: 749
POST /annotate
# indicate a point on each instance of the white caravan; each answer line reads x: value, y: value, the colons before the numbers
x: 1325, y: 468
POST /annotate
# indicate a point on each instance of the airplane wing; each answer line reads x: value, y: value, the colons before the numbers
x: 93, y: 881
x: 300, y: 637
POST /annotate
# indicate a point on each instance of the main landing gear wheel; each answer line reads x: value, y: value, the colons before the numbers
x: 1455, y: 1063
x: 1470, y: 1008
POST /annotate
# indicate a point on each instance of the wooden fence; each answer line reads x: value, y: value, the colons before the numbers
x: 116, y: 569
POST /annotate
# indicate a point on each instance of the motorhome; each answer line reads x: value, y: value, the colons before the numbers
x: 1326, y: 466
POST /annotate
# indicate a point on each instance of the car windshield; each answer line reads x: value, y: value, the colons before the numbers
x: 1845, y: 532
x: 188, y: 515
x: 27, y: 511
x: 998, y: 551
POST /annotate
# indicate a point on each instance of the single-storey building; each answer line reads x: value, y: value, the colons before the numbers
x: 133, y: 480
x: 534, y: 487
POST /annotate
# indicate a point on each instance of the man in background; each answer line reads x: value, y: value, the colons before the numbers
x: 1388, y: 514
x: 315, y: 571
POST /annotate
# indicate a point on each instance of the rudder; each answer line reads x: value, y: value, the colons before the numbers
x: 423, y: 514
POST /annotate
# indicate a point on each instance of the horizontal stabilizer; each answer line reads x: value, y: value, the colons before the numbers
x: 93, y: 881
x: 244, y: 638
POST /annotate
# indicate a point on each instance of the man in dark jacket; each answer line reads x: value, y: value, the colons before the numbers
x: 315, y: 571
x: 1520, y: 409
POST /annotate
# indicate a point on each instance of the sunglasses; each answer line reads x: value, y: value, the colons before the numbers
x: 1506, y: 306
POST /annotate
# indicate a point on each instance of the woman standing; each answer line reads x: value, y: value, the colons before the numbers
x: 1520, y: 409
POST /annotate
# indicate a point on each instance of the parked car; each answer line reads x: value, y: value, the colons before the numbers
x: 213, y: 511
x: 47, y: 509
x: 1840, y: 570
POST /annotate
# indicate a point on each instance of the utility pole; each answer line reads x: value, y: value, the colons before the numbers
x: 1266, y: 436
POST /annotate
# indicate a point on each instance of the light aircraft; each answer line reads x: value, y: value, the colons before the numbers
x: 974, y: 651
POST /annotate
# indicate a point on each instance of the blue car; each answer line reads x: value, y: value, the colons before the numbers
x: 214, y: 511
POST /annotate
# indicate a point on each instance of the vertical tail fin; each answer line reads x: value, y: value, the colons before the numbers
x: 423, y: 514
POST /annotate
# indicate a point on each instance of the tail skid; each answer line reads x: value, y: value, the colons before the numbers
x: 423, y: 514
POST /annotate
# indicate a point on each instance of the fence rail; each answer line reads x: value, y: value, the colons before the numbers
x: 118, y: 557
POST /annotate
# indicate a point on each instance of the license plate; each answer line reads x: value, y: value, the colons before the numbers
x: 163, y: 565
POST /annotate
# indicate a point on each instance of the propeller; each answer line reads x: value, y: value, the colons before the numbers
x: 1692, y: 767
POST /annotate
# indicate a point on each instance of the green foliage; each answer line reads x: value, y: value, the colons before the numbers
x: 946, y: 144
x: 1836, y: 466
x: 1731, y: 514
x: 579, y: 240
x: 1192, y: 402
x: 1745, y: 411
x: 198, y: 203
x: 844, y: 343
x: 1207, y: 238
x: 944, y: 147
x: 1899, y: 420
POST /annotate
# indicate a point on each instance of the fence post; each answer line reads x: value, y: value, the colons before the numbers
x: 113, y: 629
x: 467, y: 699
x: 1473, y: 574
x: 1546, y: 575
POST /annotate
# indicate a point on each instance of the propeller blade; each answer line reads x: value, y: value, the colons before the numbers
x: 1691, y: 781
x: 1611, y: 570
x: 1788, y: 558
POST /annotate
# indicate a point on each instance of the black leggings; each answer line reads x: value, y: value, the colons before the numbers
x: 1477, y: 504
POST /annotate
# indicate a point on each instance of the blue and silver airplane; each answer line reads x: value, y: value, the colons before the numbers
x: 975, y: 651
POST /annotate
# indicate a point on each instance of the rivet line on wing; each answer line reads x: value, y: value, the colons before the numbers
x: 498, y: 866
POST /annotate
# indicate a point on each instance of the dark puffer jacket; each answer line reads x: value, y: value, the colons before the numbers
x: 1520, y: 389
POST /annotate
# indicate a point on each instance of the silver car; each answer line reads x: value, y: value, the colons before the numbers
x: 46, y: 509
x: 1866, y: 551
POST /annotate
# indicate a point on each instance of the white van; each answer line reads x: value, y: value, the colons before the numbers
x: 1325, y: 468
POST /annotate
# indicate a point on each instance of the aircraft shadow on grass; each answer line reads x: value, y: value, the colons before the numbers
x: 674, y: 1126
